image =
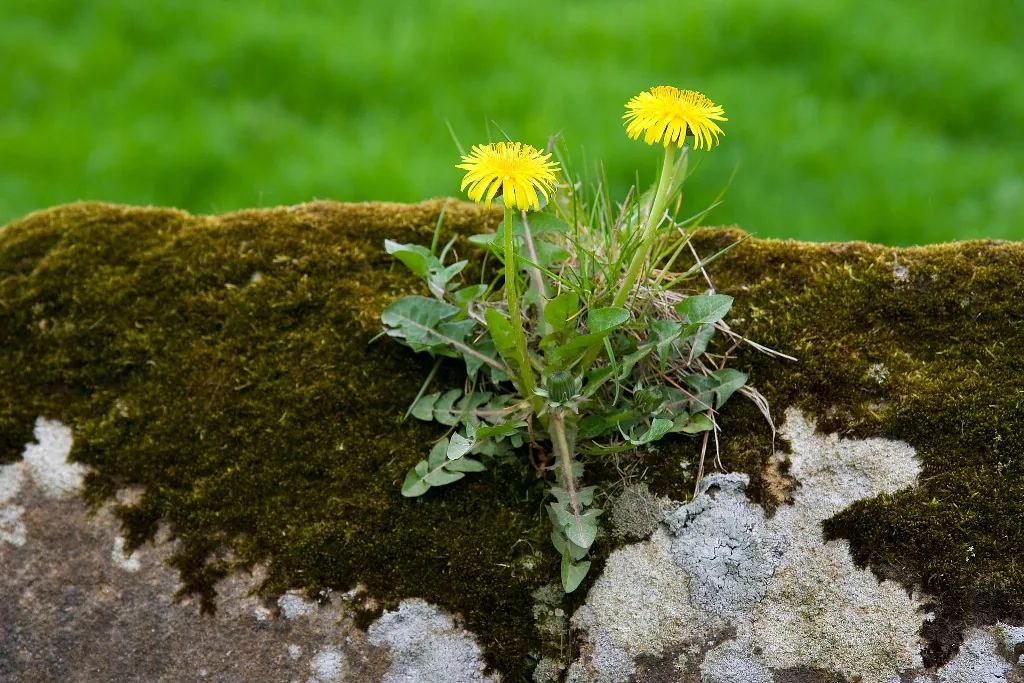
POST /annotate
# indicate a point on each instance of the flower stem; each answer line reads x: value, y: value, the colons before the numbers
x: 650, y: 228
x: 557, y: 428
x: 665, y: 183
x: 512, y: 296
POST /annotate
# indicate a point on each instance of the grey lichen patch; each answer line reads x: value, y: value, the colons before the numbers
x: 1012, y: 641
x: 726, y: 546
x: 427, y: 646
x: 793, y: 599
x: 804, y: 616
x: 329, y: 665
x: 640, y: 604
x: 978, y: 661
x: 634, y: 514
x: 731, y: 662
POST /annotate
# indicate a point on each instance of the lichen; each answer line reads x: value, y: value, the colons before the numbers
x: 222, y: 364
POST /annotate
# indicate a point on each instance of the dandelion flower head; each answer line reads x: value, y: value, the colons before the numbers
x: 666, y: 114
x: 519, y: 171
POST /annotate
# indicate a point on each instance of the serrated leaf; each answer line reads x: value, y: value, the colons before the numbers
x: 601, y: 322
x: 548, y: 253
x: 729, y: 381
x: 558, y: 540
x: 704, y: 309
x: 699, y: 342
x: 586, y: 495
x: 443, y: 410
x: 582, y: 532
x: 573, y: 573
x: 593, y: 426
x: 561, y: 495
x: 414, y: 318
x: 576, y: 553
x: 562, y: 515
x: 541, y: 223
x: 469, y: 294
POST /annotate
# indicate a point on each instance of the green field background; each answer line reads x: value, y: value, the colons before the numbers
x: 900, y: 122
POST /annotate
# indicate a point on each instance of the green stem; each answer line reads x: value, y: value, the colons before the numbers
x: 646, y: 240
x: 512, y: 296
x: 650, y: 228
x: 557, y: 429
x: 537, y: 277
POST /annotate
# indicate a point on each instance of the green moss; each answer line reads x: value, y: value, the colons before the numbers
x: 265, y: 429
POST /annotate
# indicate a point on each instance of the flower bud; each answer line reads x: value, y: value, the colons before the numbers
x: 648, y: 399
x: 561, y: 386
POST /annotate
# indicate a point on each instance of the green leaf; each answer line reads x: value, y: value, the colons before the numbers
x: 441, y: 476
x: 573, y: 573
x: 500, y: 328
x: 704, y: 309
x: 606, y: 319
x: 437, y: 455
x: 424, y: 408
x: 583, y: 532
x: 466, y: 464
x: 414, y: 485
x: 438, y: 280
x: 729, y: 381
x: 593, y: 426
x: 602, y: 322
x: 541, y: 223
x: 469, y: 294
x: 501, y: 430
x: 443, y: 410
x: 560, y: 309
x: 586, y: 495
x: 455, y: 331
x: 699, y: 342
x: 721, y: 384
x: 559, y: 541
x: 414, y: 319
x: 548, y: 253
x: 693, y: 424
x: 659, y: 428
x: 416, y: 258
x: 561, y: 495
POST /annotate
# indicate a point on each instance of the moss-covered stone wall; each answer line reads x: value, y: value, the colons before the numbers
x: 223, y: 364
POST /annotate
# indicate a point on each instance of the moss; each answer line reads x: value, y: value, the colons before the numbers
x: 223, y: 364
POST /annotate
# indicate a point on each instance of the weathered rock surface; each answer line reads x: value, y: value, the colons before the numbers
x: 191, y: 417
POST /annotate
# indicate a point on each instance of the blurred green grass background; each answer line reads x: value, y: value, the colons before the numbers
x: 895, y: 122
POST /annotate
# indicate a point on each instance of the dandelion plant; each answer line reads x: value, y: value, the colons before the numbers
x: 589, y: 341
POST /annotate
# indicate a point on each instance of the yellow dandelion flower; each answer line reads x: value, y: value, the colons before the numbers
x: 669, y: 114
x: 518, y: 170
